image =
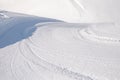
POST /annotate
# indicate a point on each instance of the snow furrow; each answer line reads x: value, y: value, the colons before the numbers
x: 51, y: 67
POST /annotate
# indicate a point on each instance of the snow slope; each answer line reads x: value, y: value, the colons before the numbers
x: 17, y: 62
x: 12, y: 27
x: 63, y: 45
x: 58, y: 9
x: 37, y: 48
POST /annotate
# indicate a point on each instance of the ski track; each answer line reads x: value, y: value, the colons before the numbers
x: 87, y: 34
x: 31, y: 58
x: 51, y: 67
x: 28, y: 54
x: 35, y: 59
x: 12, y: 64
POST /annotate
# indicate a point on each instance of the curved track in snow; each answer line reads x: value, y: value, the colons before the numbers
x: 32, y: 57
x: 33, y: 45
x: 19, y: 28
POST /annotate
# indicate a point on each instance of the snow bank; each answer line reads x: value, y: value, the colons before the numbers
x: 37, y: 48
x: 13, y: 32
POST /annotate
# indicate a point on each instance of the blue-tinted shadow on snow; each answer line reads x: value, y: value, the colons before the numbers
x: 15, y: 28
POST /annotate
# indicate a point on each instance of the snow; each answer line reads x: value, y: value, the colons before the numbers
x: 16, y: 58
x: 38, y: 48
x: 12, y: 28
x: 73, y: 40
x: 44, y: 8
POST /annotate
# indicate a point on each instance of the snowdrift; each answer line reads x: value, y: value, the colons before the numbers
x: 37, y: 48
x: 58, y: 9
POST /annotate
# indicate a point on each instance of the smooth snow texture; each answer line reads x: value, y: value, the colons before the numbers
x: 67, y: 10
x: 57, y: 9
x: 13, y: 27
x: 63, y: 45
x: 17, y: 61
x: 36, y: 48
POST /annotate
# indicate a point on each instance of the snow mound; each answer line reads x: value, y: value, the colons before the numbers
x: 34, y: 48
x: 15, y: 33
x: 12, y: 27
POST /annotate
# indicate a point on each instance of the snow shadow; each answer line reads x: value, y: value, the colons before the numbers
x: 12, y: 30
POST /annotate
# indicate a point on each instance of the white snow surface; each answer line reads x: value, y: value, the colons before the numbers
x: 37, y: 48
x: 58, y: 9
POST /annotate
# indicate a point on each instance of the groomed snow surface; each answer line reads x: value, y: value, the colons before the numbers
x: 37, y: 48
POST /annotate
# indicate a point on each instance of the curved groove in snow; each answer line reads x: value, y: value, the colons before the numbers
x: 88, y: 34
x: 30, y: 56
